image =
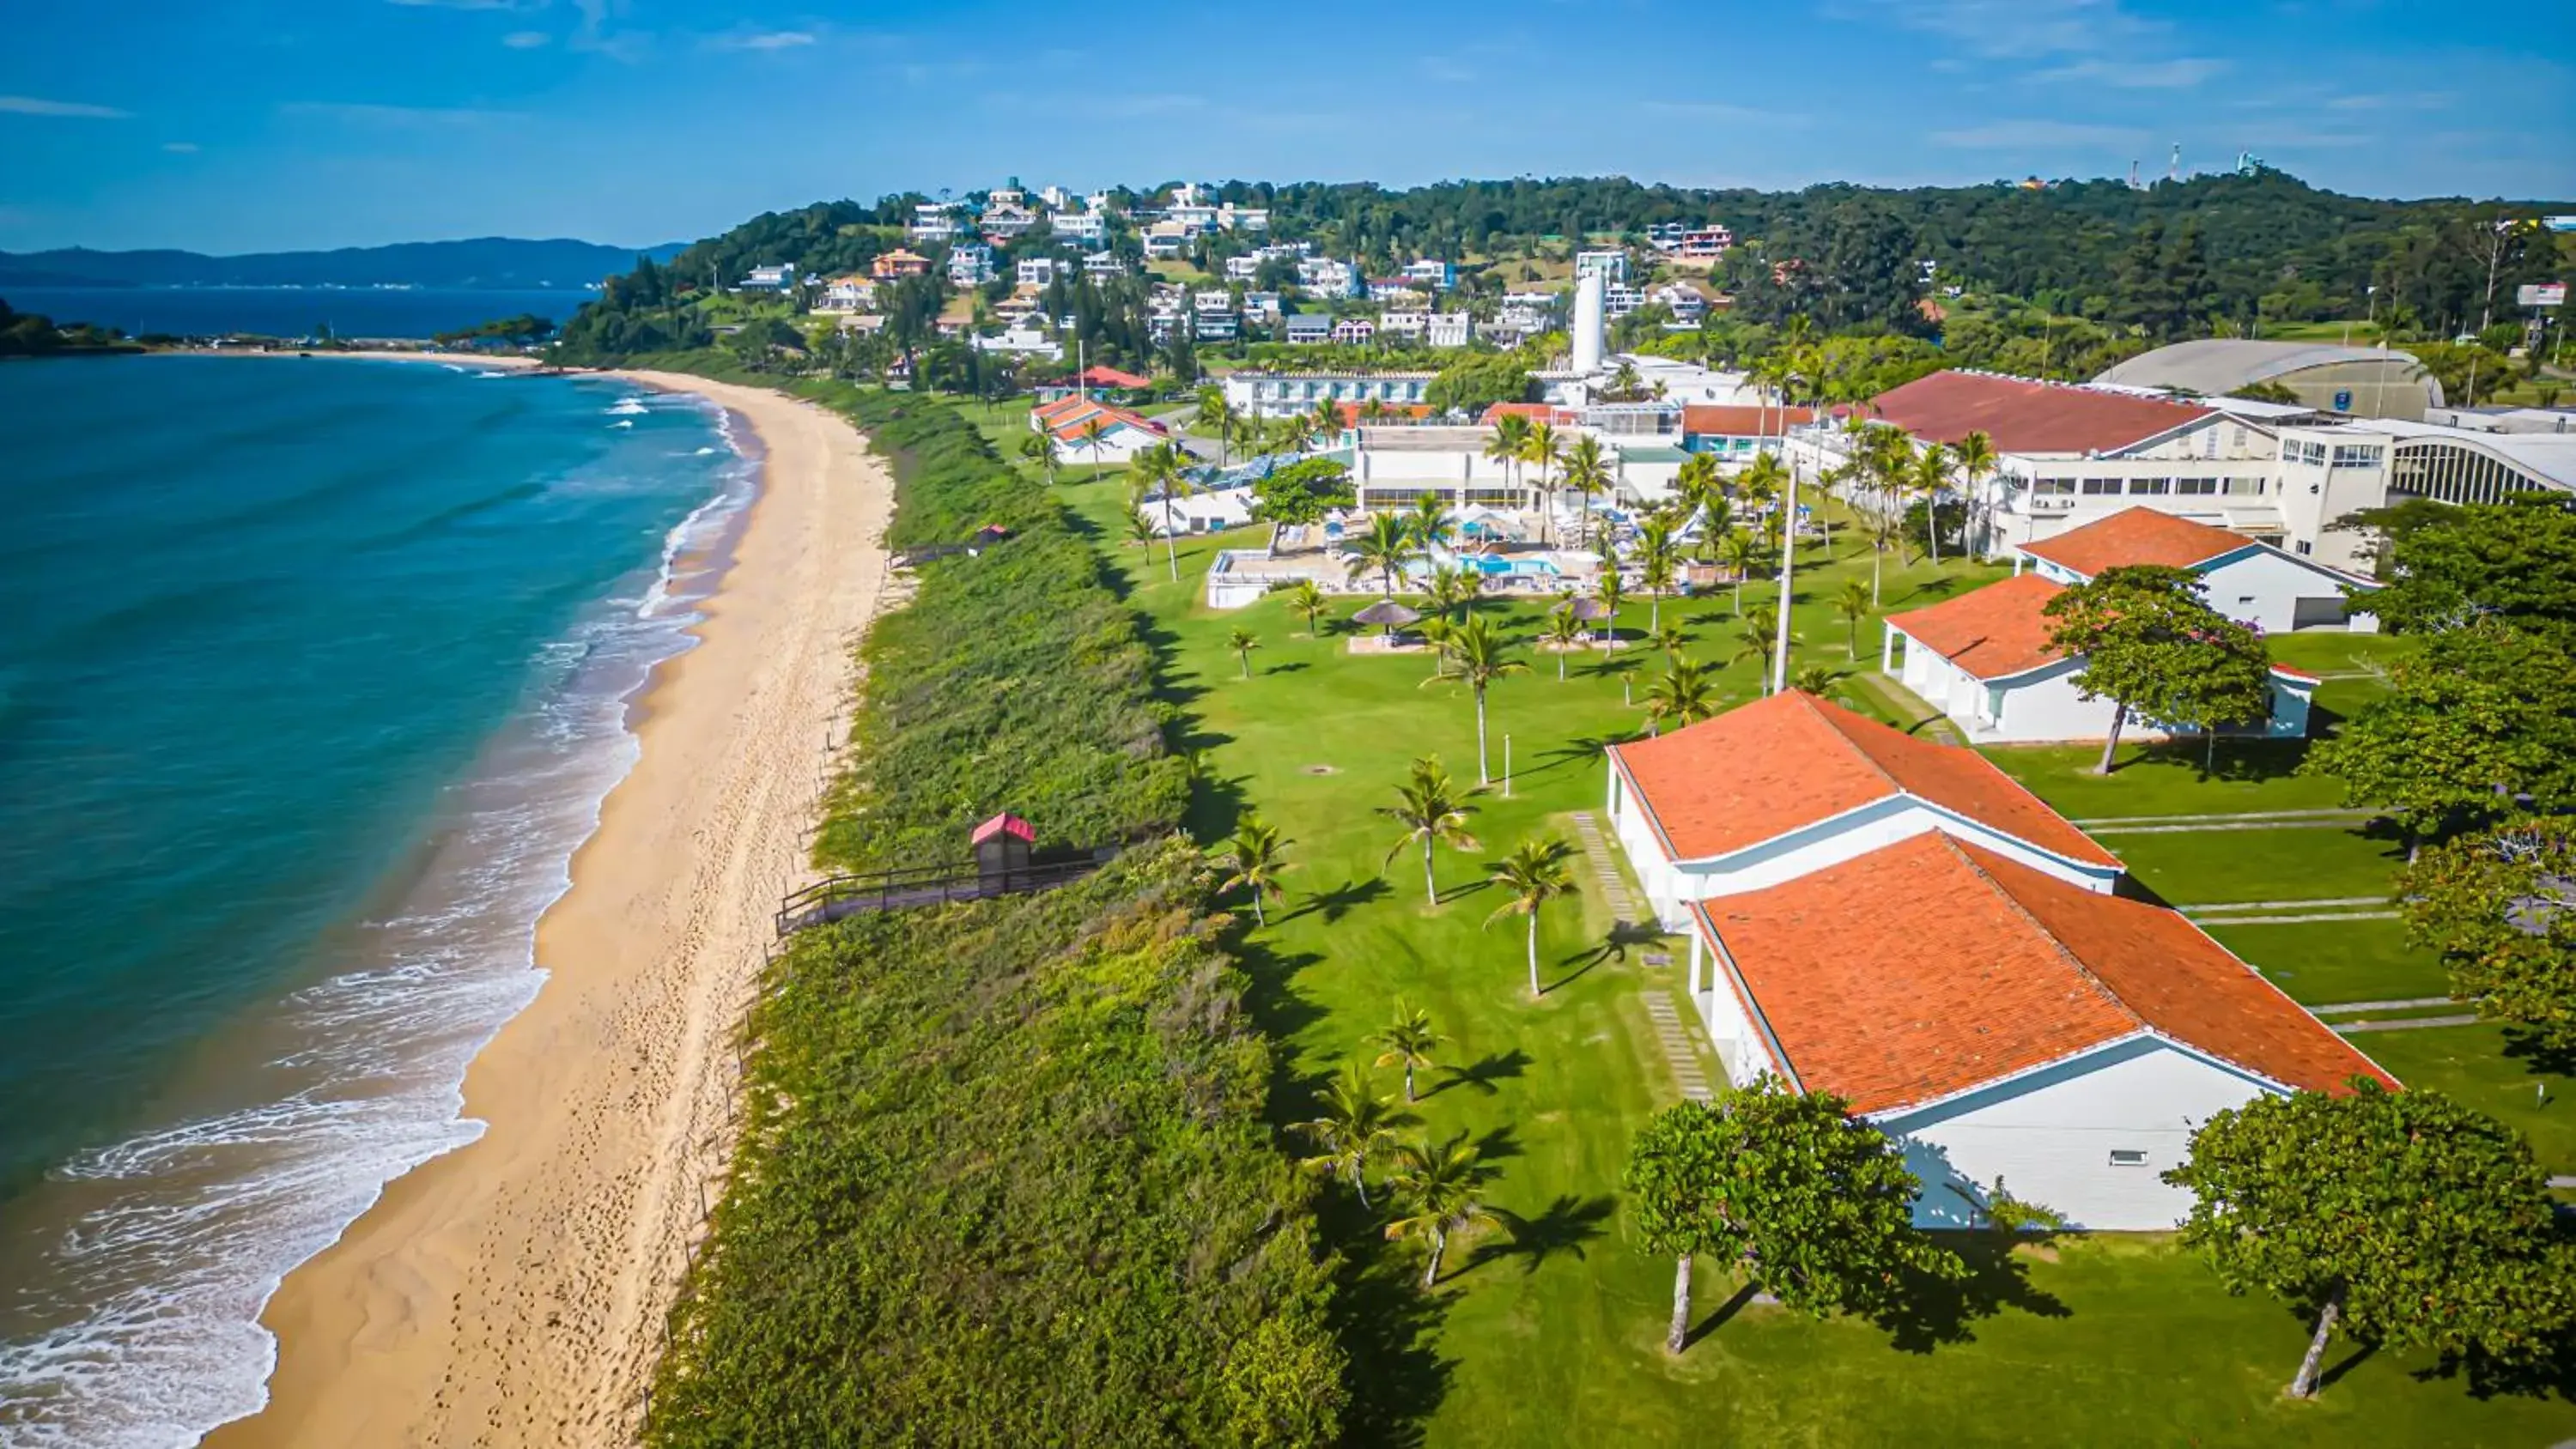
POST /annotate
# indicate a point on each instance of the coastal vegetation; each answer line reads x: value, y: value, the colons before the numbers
x: 1006, y: 1173
x: 29, y: 334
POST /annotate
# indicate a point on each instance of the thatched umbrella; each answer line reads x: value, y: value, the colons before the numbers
x: 1387, y: 613
x: 1590, y: 611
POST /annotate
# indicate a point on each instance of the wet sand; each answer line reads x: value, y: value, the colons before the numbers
x: 512, y: 1292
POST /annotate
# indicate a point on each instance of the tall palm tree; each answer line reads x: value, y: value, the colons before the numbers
x: 1358, y: 1123
x: 1433, y: 526
x: 1612, y: 593
x: 1684, y: 694
x: 1247, y: 436
x: 1409, y: 1041
x: 1328, y: 418
x: 1854, y: 604
x: 1762, y: 483
x: 1482, y: 657
x: 1531, y: 876
x: 1657, y: 561
x: 1509, y: 444
x: 1243, y: 641
x: 1975, y: 458
x: 1160, y: 467
x: 1215, y: 415
x: 1758, y: 637
x: 1436, y: 1187
x: 1587, y: 471
x: 1433, y: 812
x: 1668, y: 638
x: 1931, y: 477
x: 1563, y: 633
x: 1815, y: 679
x: 1091, y: 432
x: 1545, y: 449
x: 1297, y: 434
x: 1384, y: 550
x: 1039, y: 448
x: 1254, y: 861
x: 1739, y: 553
x: 1304, y: 597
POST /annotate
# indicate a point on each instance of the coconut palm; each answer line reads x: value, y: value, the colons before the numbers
x: 1545, y: 449
x: 1931, y: 474
x: 1409, y: 1041
x: 1815, y: 679
x: 1304, y: 597
x: 1563, y: 633
x: 1587, y: 472
x: 1091, y: 432
x: 1247, y: 437
x: 1215, y: 415
x: 1358, y: 1123
x: 1975, y: 458
x: 1436, y: 1187
x: 1758, y: 638
x: 1434, y: 527
x: 1328, y: 418
x: 1683, y: 694
x: 1039, y: 448
x: 1161, y: 468
x: 1763, y: 482
x: 1481, y: 657
x: 1531, y: 876
x: 1243, y: 642
x: 1432, y: 812
x: 1508, y: 444
x: 1739, y: 553
x: 1668, y: 638
x: 1854, y: 604
x: 1383, y: 550
x: 1613, y: 593
x: 1253, y: 862
x: 1140, y: 530
x: 1657, y: 561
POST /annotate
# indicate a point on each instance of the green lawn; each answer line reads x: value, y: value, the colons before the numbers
x: 2325, y: 963
x: 2168, y: 779
x: 2474, y: 1064
x: 1548, y: 1330
x: 2327, y: 651
x: 2201, y: 867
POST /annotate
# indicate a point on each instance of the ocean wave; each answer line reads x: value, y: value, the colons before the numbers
x: 628, y: 407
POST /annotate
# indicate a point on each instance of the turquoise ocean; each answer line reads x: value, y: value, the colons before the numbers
x: 315, y: 676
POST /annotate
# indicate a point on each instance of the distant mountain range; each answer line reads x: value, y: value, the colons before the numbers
x: 483, y: 263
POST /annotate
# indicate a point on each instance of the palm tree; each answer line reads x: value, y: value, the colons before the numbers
x: 1328, y: 418
x: 1304, y: 597
x: 1357, y: 1124
x: 1657, y: 559
x: 1383, y: 550
x: 1436, y: 1186
x: 1683, y: 694
x: 1408, y: 1041
x: 1039, y: 448
x: 1815, y: 679
x: 1254, y: 862
x: 1931, y: 475
x: 1091, y: 432
x: 1216, y: 415
x: 1739, y: 553
x: 1509, y: 444
x: 1564, y: 633
x: 1758, y: 638
x: 1764, y: 481
x: 1297, y: 434
x: 1243, y: 642
x: 1544, y: 449
x: 1669, y: 638
x: 1159, y: 467
x: 1140, y: 529
x: 1854, y: 604
x: 1612, y: 593
x: 1431, y: 811
x: 1587, y: 471
x: 1975, y: 457
x: 1247, y: 436
x: 1433, y: 527
x: 1531, y: 876
x: 1479, y: 652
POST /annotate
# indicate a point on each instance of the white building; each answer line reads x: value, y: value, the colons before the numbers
x: 934, y: 221
x: 1900, y: 924
x: 1286, y: 394
x: 1166, y: 239
x: 1431, y: 272
x: 1355, y: 332
x: 1327, y: 277
x: 1022, y: 341
x: 769, y: 279
x: 1230, y: 217
x: 1406, y: 324
x: 1037, y: 271
x: 1983, y: 659
x: 1100, y: 266
x: 1449, y: 329
x: 1208, y: 512
x: 1392, y: 467
x: 1609, y: 266
x: 2246, y: 579
x: 1090, y: 228
x: 852, y: 293
x: 1243, y: 268
x: 1308, y: 328
x: 970, y: 264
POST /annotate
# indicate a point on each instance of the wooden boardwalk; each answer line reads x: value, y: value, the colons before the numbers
x: 896, y: 890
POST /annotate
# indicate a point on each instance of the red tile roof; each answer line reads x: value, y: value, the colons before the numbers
x: 1350, y: 411
x: 1993, y: 633
x: 1742, y: 422
x: 1005, y: 824
x: 1066, y: 418
x: 2021, y: 416
x: 2136, y: 536
x: 1112, y: 377
x: 1793, y: 760
x: 1929, y: 967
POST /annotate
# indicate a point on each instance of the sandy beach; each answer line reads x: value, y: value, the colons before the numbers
x: 512, y: 1292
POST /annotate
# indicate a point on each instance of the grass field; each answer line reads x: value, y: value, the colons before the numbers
x: 1546, y: 1330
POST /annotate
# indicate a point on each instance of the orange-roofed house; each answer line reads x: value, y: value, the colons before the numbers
x: 2248, y: 580
x: 1121, y: 436
x: 899, y: 263
x: 1790, y: 785
x: 1984, y: 660
x: 2008, y: 1027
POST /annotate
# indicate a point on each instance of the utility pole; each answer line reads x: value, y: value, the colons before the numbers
x: 1788, y: 572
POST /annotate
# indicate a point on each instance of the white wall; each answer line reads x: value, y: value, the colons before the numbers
x: 2262, y: 588
x: 2046, y: 706
x: 2050, y: 1137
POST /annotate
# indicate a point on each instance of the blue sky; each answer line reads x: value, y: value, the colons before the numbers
x: 234, y: 125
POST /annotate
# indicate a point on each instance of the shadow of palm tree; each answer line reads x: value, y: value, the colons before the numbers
x: 1564, y: 1227
x: 1339, y: 901
x: 1482, y: 1074
x: 1499, y: 1145
x: 1622, y: 937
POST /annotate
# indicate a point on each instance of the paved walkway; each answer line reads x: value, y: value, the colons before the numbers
x: 2288, y: 913
x: 1674, y: 1034
x: 2196, y: 824
x: 1605, y: 869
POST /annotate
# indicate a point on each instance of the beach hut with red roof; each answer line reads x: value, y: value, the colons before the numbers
x: 1002, y: 844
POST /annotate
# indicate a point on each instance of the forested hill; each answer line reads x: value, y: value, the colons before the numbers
x: 489, y: 263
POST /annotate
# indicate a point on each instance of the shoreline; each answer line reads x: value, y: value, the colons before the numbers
x: 511, y: 1291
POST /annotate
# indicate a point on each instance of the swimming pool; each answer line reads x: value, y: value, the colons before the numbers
x: 1495, y: 567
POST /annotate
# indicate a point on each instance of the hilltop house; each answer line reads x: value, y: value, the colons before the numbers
x: 1900, y: 924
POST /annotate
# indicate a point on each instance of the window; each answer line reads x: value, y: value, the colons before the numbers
x: 2052, y: 487
x: 2356, y: 455
x: 2244, y: 487
x: 2128, y: 1157
x: 2196, y: 487
x: 2139, y: 486
x: 2101, y: 487
x: 2306, y: 547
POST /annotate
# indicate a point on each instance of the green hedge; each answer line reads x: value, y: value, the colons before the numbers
x: 1005, y: 1176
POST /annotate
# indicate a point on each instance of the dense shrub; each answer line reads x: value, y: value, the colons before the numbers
x: 1005, y: 1177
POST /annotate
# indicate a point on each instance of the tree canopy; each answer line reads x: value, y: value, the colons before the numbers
x: 2154, y: 648
x: 2513, y: 561
x: 2500, y: 909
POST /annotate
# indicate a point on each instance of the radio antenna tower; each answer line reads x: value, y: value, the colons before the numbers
x: 2173, y: 168
x: 2133, y: 177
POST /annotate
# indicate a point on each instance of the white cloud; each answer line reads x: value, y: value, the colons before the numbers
x: 2181, y: 73
x: 525, y: 39
x: 751, y: 39
x: 31, y: 106
x: 2033, y: 135
x: 180, y: 148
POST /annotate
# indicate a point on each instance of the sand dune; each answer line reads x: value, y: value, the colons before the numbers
x: 512, y: 1292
